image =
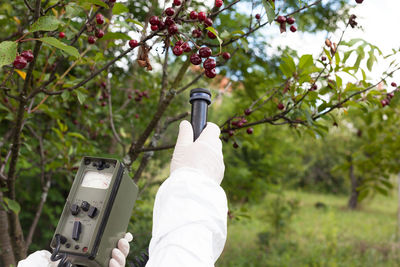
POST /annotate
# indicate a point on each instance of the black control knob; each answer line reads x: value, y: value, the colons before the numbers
x: 85, y: 205
x: 76, y: 231
x: 74, y: 209
x: 92, y: 212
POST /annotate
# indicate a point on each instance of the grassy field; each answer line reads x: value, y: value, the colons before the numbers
x: 327, y: 236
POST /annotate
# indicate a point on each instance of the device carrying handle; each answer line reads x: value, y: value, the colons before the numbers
x: 200, y: 98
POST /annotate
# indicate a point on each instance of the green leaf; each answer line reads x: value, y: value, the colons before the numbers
x: 65, y: 95
x: 306, y: 61
x: 115, y: 36
x: 371, y: 60
x: 81, y: 97
x: 77, y: 135
x: 8, y: 52
x: 119, y: 9
x: 288, y: 67
x: 135, y: 21
x: 46, y: 23
x: 98, y: 2
x: 60, y: 45
x: 269, y: 10
x: 12, y: 205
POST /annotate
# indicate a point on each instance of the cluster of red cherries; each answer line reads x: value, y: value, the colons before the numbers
x: 169, y: 23
x: 389, y: 96
x: 235, y: 123
x: 23, y: 59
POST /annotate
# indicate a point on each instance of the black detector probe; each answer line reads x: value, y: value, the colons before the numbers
x: 200, y: 98
x: 100, y: 203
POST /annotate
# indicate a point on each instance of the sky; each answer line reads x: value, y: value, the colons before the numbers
x: 380, y: 27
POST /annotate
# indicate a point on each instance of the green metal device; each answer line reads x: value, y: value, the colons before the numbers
x: 96, y: 214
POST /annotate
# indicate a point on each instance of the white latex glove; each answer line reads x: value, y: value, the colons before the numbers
x: 41, y: 258
x: 203, y: 155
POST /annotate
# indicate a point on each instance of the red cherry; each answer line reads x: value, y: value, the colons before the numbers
x: 193, y: 15
x: 133, y: 43
x: 27, y: 55
x: 359, y: 1
x: 208, y: 22
x: 173, y: 29
x: 211, y: 35
x: 129, y: 96
x: 137, y: 116
x: 226, y: 55
x: 385, y: 102
x: 244, y: 120
x: 281, y: 19
x: 20, y: 62
x: 196, y: 33
x: 154, y: 27
x: 281, y: 106
x: 291, y: 20
x: 195, y: 59
x: 145, y: 94
x: 209, y: 64
x: 390, y: 95
x: 186, y: 47
x: 247, y: 112
x: 168, y: 21
x: 138, y: 98
x: 91, y: 39
x: 211, y: 73
x: 231, y: 132
x: 170, y: 11
x: 235, y: 145
x: 219, y: 3
x: 314, y: 87
x: 323, y: 58
x: 235, y: 123
x: 103, y: 104
x: 293, y: 28
x: 86, y: 106
x: 99, y: 33
x: 249, y: 130
x: 61, y: 35
x: 205, y: 52
x: 177, y: 2
x: 179, y: 43
x: 99, y: 19
x: 201, y: 16
x: 161, y: 26
x: 154, y: 20
x: 177, y: 50
x: 103, y: 84
x: 258, y: 16
x: 112, y: 1
x: 393, y: 84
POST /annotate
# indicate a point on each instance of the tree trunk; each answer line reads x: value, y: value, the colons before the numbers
x: 6, y: 249
x: 353, y: 201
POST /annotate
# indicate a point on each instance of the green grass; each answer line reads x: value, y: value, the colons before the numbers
x: 331, y: 236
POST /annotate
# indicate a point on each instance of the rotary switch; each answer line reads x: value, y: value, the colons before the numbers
x: 74, y: 209
x: 85, y: 205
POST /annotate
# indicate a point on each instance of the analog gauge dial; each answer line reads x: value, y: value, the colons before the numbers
x: 94, y: 179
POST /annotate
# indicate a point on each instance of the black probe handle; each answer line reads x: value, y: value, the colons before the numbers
x: 200, y: 98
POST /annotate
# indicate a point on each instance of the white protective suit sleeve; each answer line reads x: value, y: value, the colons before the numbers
x: 190, y: 210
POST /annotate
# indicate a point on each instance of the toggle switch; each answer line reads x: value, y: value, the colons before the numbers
x: 76, y: 232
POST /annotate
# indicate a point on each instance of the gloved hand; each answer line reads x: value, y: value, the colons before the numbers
x: 204, y: 155
x: 41, y: 258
